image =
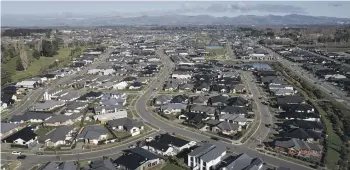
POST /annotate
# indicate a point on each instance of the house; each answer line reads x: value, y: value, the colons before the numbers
x: 126, y: 124
x: 47, y: 105
x: 302, y: 134
x: 69, y: 97
x: 179, y: 99
x: 23, y: 137
x: 90, y: 96
x: 284, y: 100
x: 300, y: 116
x: 193, y: 119
x: 57, y: 120
x: 62, y: 135
x: 75, y: 107
x: 35, y: 117
x: 301, y: 108
x: 162, y: 99
x: 202, y: 87
x: 100, y: 110
x: 8, y: 128
x: 29, y: 84
x: 173, y: 108
x: 121, y: 85
x: 102, y: 164
x: 241, y: 120
x: 282, y: 92
x: 206, y: 157
x: 138, y: 159
x: 219, y: 100
x: 59, y: 166
x: 111, y: 116
x: 237, y: 102
x: 226, y: 128
x: 135, y: 85
x: 176, y: 143
x: 198, y: 100
x: 296, y: 147
x: 312, y: 125
x: 159, y: 148
x: 185, y: 87
x: 241, y: 162
x: 92, y: 134
x: 181, y: 75
x: 210, y: 111
x: 234, y: 110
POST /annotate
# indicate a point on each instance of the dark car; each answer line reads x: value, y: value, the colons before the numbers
x: 21, y: 157
x: 268, y: 125
x: 204, y: 141
x: 214, y: 138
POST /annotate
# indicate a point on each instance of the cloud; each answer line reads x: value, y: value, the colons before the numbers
x: 271, y: 8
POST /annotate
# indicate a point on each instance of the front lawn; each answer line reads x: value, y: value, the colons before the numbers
x: 44, y: 130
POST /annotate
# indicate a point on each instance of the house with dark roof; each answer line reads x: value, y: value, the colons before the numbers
x: 284, y: 100
x: 237, y: 102
x: 234, y: 110
x: 59, y: 166
x: 194, y: 119
x: 92, y: 134
x: 179, y: 99
x: 35, y: 117
x: 102, y: 164
x: 241, y: 162
x: 173, y: 108
x: 199, y: 100
x: 295, y: 146
x: 302, y: 134
x: 62, y: 135
x: 162, y: 99
x: 300, y: 116
x: 300, y: 108
x: 218, y: 100
x: 23, y: 137
x: 90, y: 96
x: 312, y: 125
x: 210, y: 111
x: 159, y: 148
x: 206, y: 156
x: 177, y: 143
x: 138, y: 158
x: 132, y: 126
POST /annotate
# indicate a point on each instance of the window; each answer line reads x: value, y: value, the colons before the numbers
x: 149, y: 165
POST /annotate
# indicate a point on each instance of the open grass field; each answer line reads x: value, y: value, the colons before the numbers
x: 36, y: 65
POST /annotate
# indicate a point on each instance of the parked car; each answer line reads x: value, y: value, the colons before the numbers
x: 204, y: 141
x: 21, y: 157
x: 16, y: 153
x: 149, y: 139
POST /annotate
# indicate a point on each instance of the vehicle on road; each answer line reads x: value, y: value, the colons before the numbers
x: 204, y: 141
x: 16, y: 153
x: 214, y: 138
x: 40, y: 153
x: 268, y: 125
x: 149, y: 139
x: 21, y: 157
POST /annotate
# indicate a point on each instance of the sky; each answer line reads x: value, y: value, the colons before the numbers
x: 215, y: 8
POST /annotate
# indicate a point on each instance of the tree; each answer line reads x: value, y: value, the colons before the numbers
x: 6, y: 76
x: 23, y: 54
x: 36, y: 54
x: 19, y: 65
x: 48, y: 50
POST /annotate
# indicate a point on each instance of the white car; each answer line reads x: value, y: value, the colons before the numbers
x: 16, y: 153
x: 149, y: 139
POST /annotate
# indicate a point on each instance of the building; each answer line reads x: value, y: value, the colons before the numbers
x: 206, y: 157
x: 132, y: 126
x: 241, y: 162
x: 62, y: 135
x: 23, y: 137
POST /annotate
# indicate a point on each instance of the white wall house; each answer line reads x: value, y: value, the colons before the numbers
x: 120, y: 86
x: 205, y: 157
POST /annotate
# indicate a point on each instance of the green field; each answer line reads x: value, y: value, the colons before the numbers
x: 36, y: 65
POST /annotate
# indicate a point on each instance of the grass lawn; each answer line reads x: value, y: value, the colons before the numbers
x: 170, y: 166
x: 35, y: 65
x: 44, y: 130
x: 121, y: 134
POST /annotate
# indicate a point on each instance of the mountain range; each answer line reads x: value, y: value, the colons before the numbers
x: 100, y: 20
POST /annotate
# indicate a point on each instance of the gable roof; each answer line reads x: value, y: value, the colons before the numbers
x: 142, y: 152
x: 296, y: 144
x: 289, y: 100
x: 102, y: 164
x: 158, y: 145
x: 179, y: 99
x: 125, y: 122
x: 301, y: 133
x: 169, y: 139
x: 234, y: 110
x: 30, y: 115
x: 92, y: 132
x: 237, y: 101
x: 25, y: 134
x: 243, y: 162
x: 56, y: 135
x: 303, y: 124
x: 207, y: 152
x: 228, y: 126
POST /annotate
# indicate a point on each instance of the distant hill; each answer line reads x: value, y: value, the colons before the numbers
x: 42, y: 21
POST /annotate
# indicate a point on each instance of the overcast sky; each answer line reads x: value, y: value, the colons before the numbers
x: 331, y: 9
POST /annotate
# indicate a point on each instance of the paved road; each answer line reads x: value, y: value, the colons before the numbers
x: 37, y: 93
x: 141, y: 108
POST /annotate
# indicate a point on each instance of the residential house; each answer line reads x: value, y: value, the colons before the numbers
x: 59, y: 166
x: 300, y: 116
x: 102, y: 164
x: 234, y: 110
x: 35, y: 117
x: 296, y: 147
x: 173, y: 108
x: 121, y: 85
x: 75, y: 108
x: 111, y: 116
x: 92, y: 134
x: 284, y: 100
x: 179, y: 99
x: 301, y: 108
x: 241, y: 162
x: 241, y: 120
x: 47, y: 105
x: 206, y: 157
x: 57, y: 120
x: 100, y: 110
x: 8, y: 128
x: 208, y: 110
x: 62, y: 135
x: 159, y: 148
x: 219, y: 100
x: 181, y: 75
x: 178, y: 144
x: 28, y: 84
x: 312, y: 125
x: 90, y: 96
x: 162, y: 100
x: 23, y: 137
x: 194, y: 119
x: 237, y: 102
x: 138, y: 159
x: 302, y: 134
x: 226, y: 128
x: 132, y: 126
x: 198, y: 100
